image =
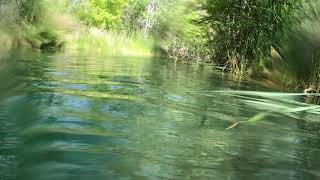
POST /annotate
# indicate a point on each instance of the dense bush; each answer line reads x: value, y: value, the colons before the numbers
x: 14, y: 14
x: 301, y: 48
x: 135, y: 14
x: 172, y: 22
x: 30, y: 10
x: 105, y: 14
x: 241, y: 33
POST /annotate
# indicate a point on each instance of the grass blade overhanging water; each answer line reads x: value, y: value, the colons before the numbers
x: 271, y: 103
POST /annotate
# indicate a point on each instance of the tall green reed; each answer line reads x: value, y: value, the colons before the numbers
x: 241, y: 33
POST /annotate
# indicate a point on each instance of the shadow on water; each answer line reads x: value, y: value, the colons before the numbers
x: 69, y: 117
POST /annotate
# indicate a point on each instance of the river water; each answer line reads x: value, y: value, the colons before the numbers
x: 93, y: 118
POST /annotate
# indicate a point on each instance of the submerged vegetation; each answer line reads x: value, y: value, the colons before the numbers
x: 256, y: 38
x: 292, y: 105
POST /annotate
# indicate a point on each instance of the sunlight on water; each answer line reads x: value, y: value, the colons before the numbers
x: 140, y: 118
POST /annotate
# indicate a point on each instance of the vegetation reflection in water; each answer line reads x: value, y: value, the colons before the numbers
x: 139, y: 118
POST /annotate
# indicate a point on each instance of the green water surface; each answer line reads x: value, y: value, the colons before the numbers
x: 93, y: 118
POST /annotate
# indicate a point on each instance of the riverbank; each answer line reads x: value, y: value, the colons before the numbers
x: 184, y: 35
x: 67, y: 34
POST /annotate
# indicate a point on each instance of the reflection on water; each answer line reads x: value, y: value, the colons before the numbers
x: 89, y: 118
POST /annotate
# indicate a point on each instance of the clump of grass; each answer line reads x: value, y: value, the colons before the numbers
x: 93, y: 41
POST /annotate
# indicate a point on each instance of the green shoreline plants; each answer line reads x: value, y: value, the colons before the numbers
x: 242, y: 33
x: 237, y: 35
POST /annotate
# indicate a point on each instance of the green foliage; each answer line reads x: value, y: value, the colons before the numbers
x: 181, y: 32
x: 172, y: 23
x: 30, y: 11
x: 104, y: 43
x: 149, y: 16
x: 302, y: 54
x: 300, y: 47
x: 15, y: 14
x: 241, y: 33
x: 32, y: 23
x: 106, y: 14
x: 135, y: 13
